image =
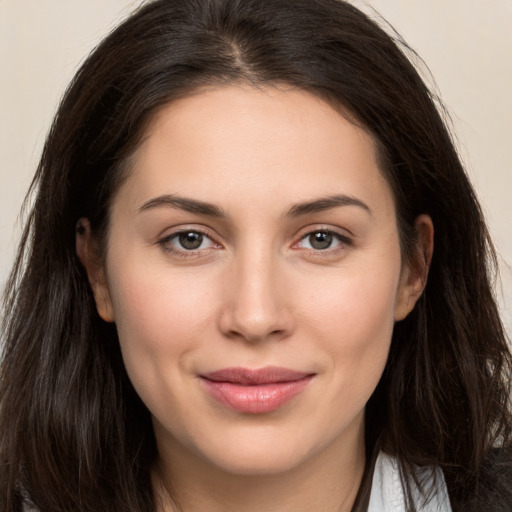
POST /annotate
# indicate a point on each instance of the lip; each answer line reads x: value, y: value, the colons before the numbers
x: 255, y: 391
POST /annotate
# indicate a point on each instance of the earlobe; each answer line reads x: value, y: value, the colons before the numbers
x: 415, y: 273
x: 87, y: 251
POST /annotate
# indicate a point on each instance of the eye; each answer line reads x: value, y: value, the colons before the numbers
x: 191, y: 240
x: 187, y: 241
x: 322, y: 240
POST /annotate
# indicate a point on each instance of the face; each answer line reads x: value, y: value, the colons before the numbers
x: 254, y: 274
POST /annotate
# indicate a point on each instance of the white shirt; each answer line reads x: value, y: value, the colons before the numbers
x: 387, y: 494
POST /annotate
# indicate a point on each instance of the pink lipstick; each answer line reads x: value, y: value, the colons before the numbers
x: 255, y: 391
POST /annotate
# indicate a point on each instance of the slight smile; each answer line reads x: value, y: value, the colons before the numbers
x: 255, y: 391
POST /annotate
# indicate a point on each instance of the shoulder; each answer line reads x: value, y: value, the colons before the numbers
x: 388, y: 495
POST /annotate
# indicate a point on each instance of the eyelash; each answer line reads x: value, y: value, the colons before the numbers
x: 165, y: 242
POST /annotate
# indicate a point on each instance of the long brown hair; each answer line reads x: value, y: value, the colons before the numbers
x: 73, y: 433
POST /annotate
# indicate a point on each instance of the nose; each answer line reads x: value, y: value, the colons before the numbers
x: 256, y: 305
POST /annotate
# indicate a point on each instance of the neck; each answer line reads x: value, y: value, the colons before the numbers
x: 328, y: 481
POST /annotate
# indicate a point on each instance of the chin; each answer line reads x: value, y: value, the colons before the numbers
x: 259, y: 454
x: 262, y: 463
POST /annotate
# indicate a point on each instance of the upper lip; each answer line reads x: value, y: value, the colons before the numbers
x: 252, y: 377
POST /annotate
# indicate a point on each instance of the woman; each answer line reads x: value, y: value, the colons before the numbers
x: 255, y: 277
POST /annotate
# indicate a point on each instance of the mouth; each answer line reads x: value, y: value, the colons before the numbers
x: 255, y: 391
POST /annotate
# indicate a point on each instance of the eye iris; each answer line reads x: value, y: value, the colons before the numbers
x: 190, y: 240
x: 320, y: 240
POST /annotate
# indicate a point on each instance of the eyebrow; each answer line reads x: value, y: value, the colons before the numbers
x: 183, y: 203
x: 326, y: 203
x: 212, y: 210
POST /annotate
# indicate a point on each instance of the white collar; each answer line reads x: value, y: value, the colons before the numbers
x: 387, y: 494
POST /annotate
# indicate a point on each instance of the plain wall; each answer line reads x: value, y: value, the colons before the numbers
x: 467, y: 44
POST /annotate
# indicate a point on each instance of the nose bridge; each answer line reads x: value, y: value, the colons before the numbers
x: 257, y: 306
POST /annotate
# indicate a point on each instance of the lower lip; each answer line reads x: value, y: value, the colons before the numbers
x: 256, y: 399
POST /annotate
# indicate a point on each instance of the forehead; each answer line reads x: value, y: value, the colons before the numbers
x: 239, y: 143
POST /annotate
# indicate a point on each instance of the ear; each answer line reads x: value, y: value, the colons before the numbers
x: 415, y: 273
x: 88, y: 254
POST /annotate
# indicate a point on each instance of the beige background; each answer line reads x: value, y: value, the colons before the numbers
x: 467, y: 45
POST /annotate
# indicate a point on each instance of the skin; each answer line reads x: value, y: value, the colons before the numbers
x: 257, y: 292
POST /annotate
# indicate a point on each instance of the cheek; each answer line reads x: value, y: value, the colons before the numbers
x: 358, y: 306
x: 353, y: 319
x: 157, y: 307
x: 161, y: 317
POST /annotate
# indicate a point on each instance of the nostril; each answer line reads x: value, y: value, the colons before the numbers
x: 255, y: 328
